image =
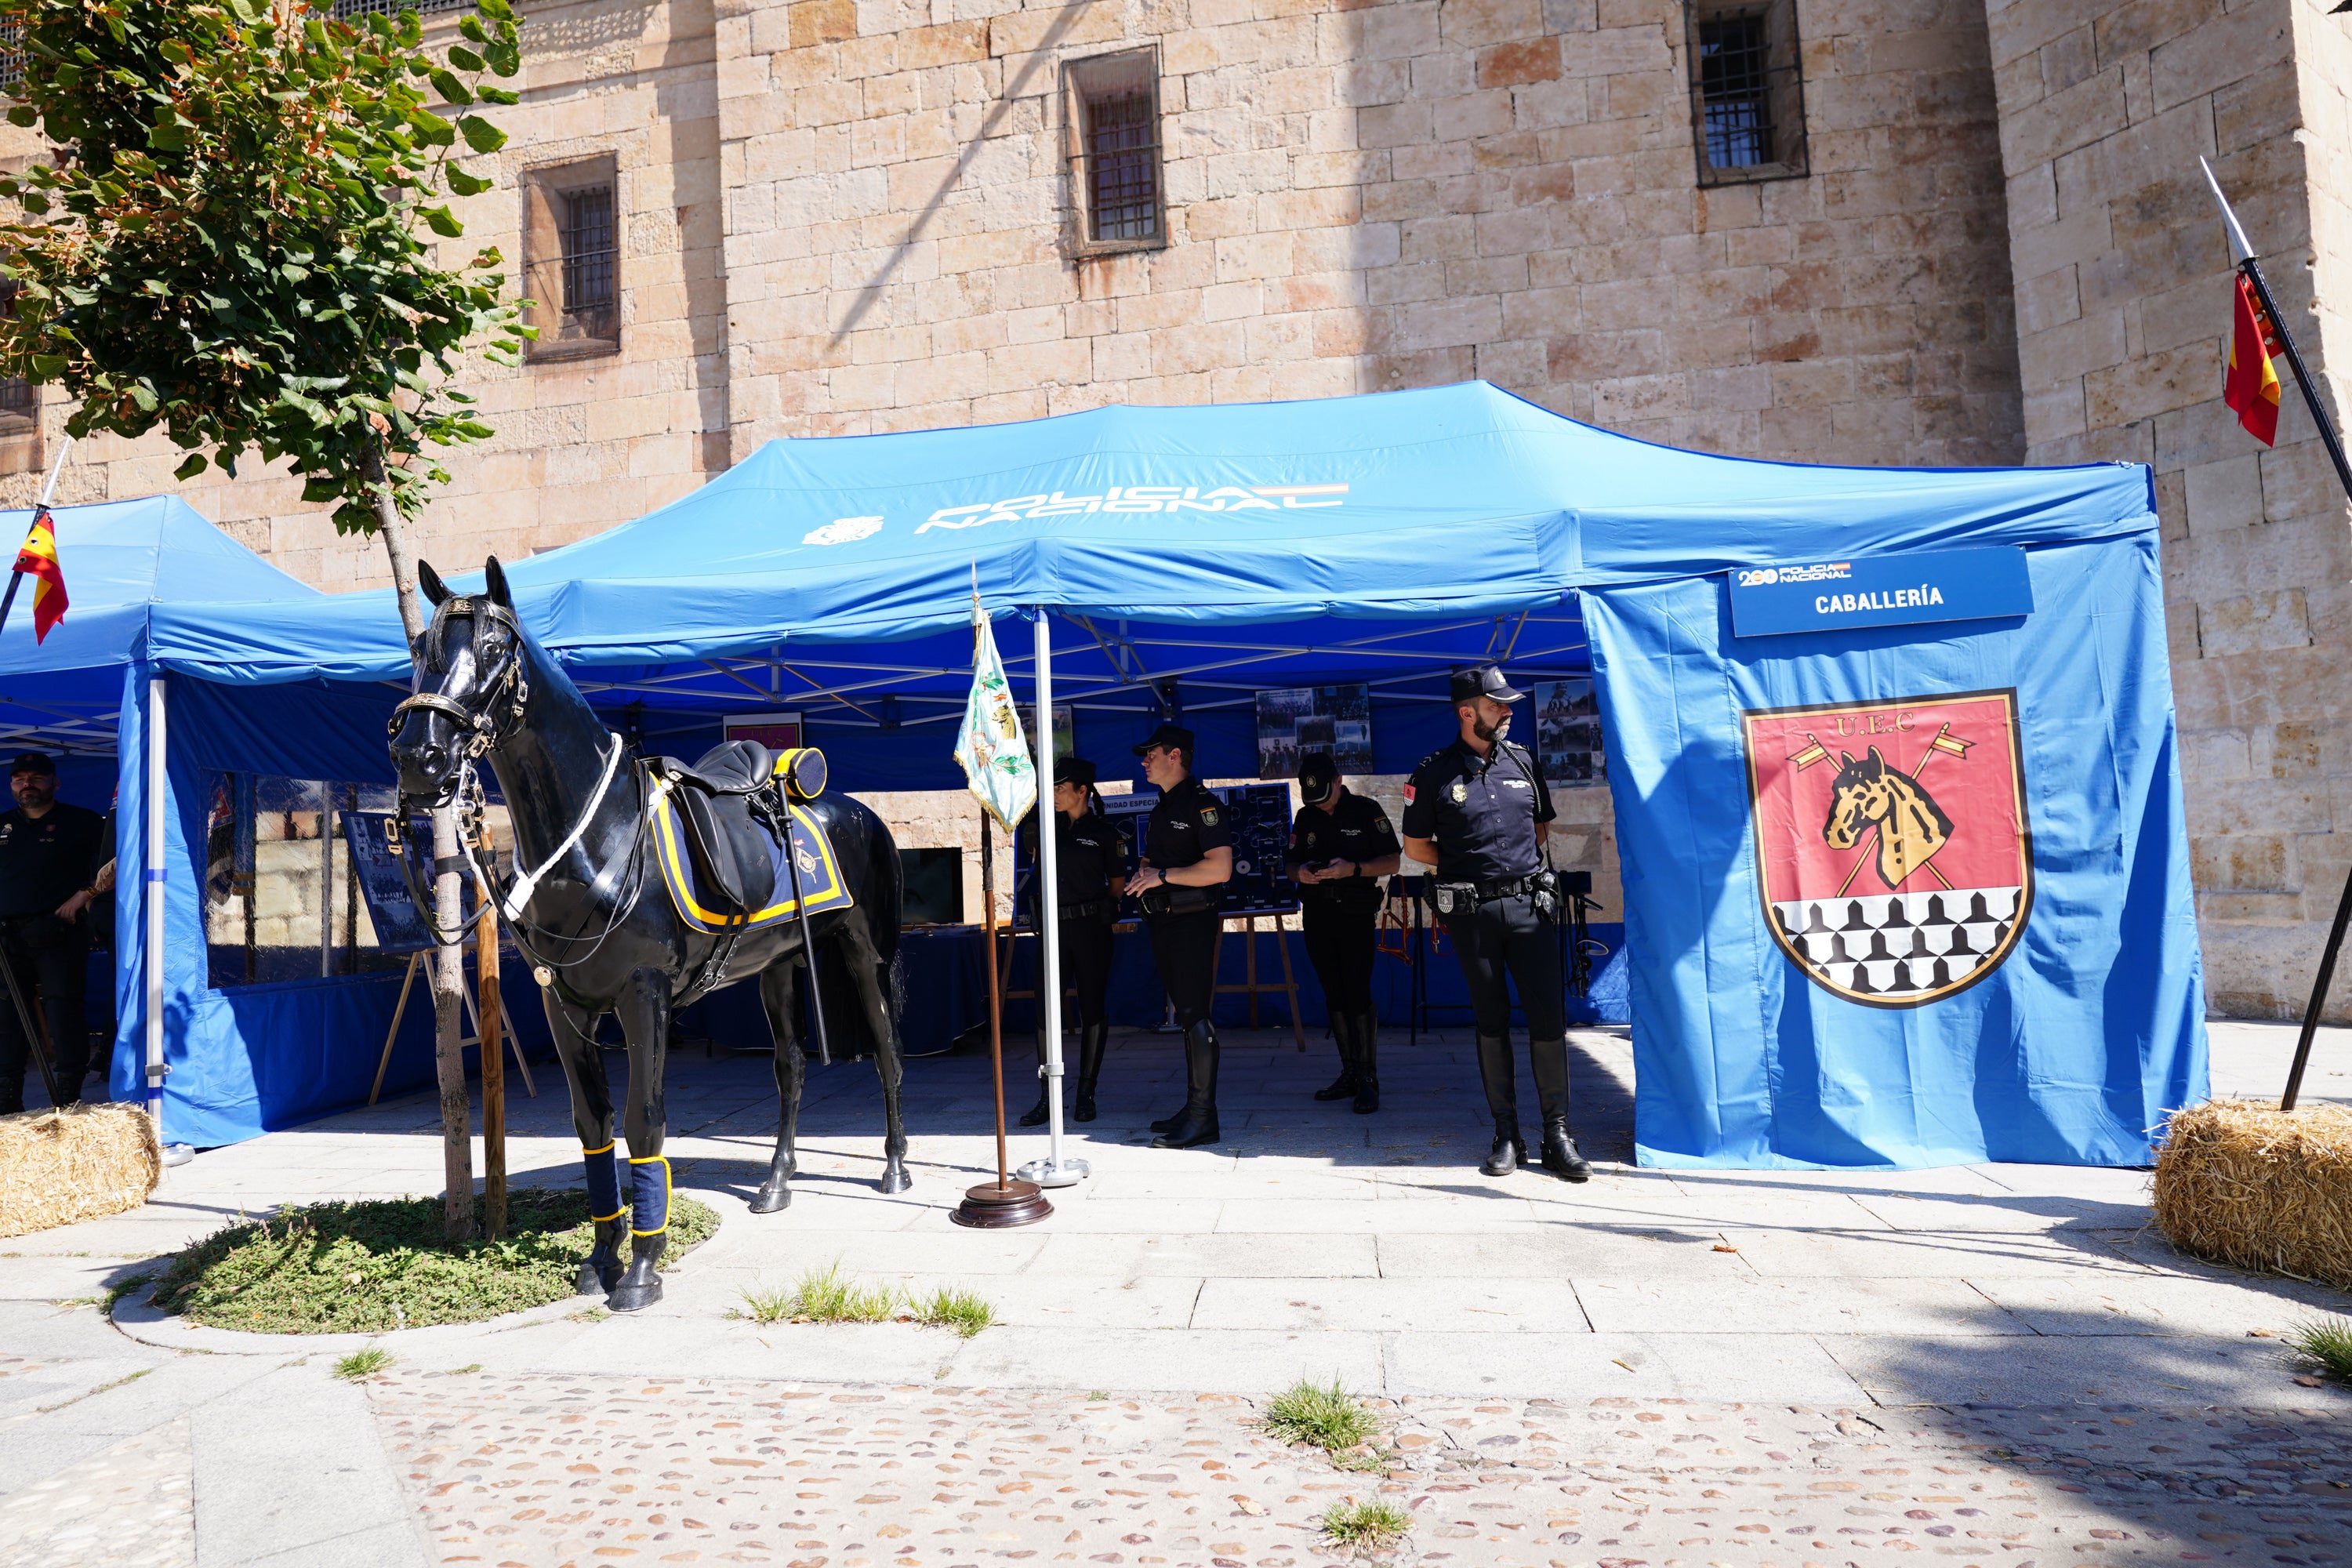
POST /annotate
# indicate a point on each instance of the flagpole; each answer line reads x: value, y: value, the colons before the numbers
x: 48, y: 493
x: 2251, y: 270
x: 1052, y: 1170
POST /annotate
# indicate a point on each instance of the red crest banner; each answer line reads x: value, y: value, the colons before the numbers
x: 1893, y: 851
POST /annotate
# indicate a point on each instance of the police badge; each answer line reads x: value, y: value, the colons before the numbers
x: 1460, y: 792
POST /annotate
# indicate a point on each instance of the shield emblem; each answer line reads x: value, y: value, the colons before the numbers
x: 1893, y: 851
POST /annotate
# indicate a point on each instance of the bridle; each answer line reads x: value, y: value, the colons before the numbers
x: 481, y: 731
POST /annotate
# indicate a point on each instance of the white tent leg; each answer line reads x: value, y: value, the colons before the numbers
x: 152, y: 890
x: 1052, y: 1170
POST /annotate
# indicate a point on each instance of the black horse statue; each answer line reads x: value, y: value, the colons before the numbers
x: 589, y: 910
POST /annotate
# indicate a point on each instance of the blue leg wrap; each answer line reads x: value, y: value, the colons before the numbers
x: 652, y: 1196
x: 604, y: 1182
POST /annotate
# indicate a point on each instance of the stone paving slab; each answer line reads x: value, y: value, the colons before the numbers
x: 129, y: 1506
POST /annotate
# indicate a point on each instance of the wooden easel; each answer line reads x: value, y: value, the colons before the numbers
x: 1251, y: 986
x: 473, y: 1014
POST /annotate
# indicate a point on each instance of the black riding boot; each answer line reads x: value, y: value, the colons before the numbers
x: 1197, y: 1124
x: 1550, y: 1060
x: 1343, y: 1035
x: 1511, y: 1150
x: 1091, y: 1040
x: 1037, y: 1114
x: 1368, y: 1063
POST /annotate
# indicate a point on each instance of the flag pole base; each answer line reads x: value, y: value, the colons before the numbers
x: 990, y: 1207
x: 1056, y: 1173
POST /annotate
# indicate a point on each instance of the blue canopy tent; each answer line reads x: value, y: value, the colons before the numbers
x: 1176, y: 560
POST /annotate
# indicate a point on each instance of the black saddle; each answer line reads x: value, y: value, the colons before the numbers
x: 732, y: 813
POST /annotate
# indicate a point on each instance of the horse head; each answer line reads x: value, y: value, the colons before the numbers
x: 470, y: 688
x: 1859, y: 795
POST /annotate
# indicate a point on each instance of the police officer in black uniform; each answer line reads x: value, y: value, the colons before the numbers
x: 1340, y: 847
x: 1089, y: 873
x: 1478, y: 809
x: 1188, y: 857
x: 49, y: 853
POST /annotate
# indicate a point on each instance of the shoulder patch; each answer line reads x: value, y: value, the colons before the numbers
x: 1208, y: 817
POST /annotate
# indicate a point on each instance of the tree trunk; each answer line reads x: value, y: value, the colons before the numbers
x: 447, y: 971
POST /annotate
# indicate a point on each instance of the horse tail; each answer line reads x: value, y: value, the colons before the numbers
x: 897, y: 986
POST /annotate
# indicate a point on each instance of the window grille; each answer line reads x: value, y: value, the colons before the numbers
x: 1747, y: 95
x: 1122, y: 145
x: 20, y: 400
x: 346, y: 9
x: 588, y: 249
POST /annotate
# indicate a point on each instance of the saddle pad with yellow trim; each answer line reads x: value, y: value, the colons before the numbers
x: 821, y: 882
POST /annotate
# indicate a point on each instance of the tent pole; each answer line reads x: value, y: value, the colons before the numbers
x: 1052, y: 1170
x: 154, y: 902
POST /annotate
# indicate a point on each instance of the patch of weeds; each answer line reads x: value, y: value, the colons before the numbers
x: 380, y: 1265
x: 768, y: 1306
x: 1363, y: 1457
x: 2326, y: 1343
x: 462, y: 1371
x: 588, y: 1315
x: 72, y: 1301
x: 826, y: 1296
x: 361, y: 1366
x: 965, y: 1311
x: 1093, y: 1393
x: 1323, y: 1415
x: 122, y: 1287
x: 1365, y: 1525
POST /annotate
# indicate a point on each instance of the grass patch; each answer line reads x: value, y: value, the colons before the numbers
x: 1365, y: 1525
x: 948, y: 1308
x: 372, y: 1266
x: 1324, y: 1415
x: 769, y: 1306
x: 2326, y: 1343
x: 362, y: 1365
x: 827, y: 1296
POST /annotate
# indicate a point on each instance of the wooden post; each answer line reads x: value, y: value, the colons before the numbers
x: 494, y: 1072
x: 399, y: 1010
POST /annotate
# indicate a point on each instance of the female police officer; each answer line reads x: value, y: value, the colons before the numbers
x: 1340, y: 847
x: 1090, y: 867
x: 1188, y: 855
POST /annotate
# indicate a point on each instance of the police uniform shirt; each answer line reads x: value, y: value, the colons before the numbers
x: 1482, y: 811
x: 1089, y: 858
x: 1188, y: 823
x: 46, y: 860
x: 1356, y: 830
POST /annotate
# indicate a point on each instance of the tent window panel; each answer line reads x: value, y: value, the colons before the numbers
x: 1747, y: 92
x: 281, y: 902
x: 1112, y: 107
x: 572, y: 258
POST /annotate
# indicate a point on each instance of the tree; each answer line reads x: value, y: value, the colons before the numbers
x: 234, y: 244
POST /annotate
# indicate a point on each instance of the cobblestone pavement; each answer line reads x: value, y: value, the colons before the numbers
x: 134, y: 1505
x: 525, y: 1471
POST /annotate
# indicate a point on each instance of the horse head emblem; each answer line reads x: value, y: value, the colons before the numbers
x: 1872, y: 791
x: 469, y: 686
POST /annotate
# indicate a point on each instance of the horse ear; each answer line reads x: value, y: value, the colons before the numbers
x: 494, y: 579
x: 1845, y: 760
x: 1877, y: 762
x: 429, y: 581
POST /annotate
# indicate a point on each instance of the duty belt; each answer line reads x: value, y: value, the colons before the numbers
x: 1098, y: 908
x: 1452, y: 895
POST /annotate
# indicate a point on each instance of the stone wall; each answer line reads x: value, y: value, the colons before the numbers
x: 2123, y: 306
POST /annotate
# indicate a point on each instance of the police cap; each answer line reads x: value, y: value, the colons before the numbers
x: 1482, y: 680
x: 33, y: 762
x: 1074, y: 771
x: 1317, y: 773
x: 1173, y: 735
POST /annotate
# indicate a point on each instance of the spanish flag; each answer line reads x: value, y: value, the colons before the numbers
x: 2252, y: 386
x: 38, y: 560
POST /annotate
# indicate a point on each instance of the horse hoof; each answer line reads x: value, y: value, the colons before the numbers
x: 768, y: 1200
x: 628, y: 1297
x: 895, y: 1180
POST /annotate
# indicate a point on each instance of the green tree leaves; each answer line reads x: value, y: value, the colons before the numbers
x: 238, y: 243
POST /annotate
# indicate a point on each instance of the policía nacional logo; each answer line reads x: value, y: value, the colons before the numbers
x: 1892, y: 849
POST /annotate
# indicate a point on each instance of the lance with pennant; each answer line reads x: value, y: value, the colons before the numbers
x: 2273, y: 328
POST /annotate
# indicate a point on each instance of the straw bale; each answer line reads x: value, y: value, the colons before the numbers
x: 60, y: 1166
x: 2245, y: 1184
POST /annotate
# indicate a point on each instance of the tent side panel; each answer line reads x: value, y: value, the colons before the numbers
x: 2089, y: 1029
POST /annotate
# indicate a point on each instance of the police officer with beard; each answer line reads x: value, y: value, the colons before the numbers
x: 1478, y: 809
x: 1188, y: 857
x: 1340, y: 847
x: 1090, y: 870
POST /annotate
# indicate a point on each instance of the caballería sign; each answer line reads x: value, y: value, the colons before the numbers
x: 1893, y: 851
x: 1880, y: 590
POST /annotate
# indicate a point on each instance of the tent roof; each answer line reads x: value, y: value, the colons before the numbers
x: 1266, y: 544
x: 121, y: 560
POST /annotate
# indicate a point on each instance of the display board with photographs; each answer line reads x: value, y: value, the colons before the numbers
x: 777, y: 731
x: 1298, y: 720
x: 1260, y: 814
x: 1568, y: 734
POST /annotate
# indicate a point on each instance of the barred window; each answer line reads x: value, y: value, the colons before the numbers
x: 20, y: 411
x: 1746, y: 95
x: 572, y: 258
x: 349, y: 8
x: 1112, y: 102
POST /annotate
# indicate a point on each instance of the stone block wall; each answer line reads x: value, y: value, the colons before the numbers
x: 2123, y: 307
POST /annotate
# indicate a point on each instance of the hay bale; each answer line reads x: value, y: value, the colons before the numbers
x: 60, y: 1166
x: 2248, y: 1185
